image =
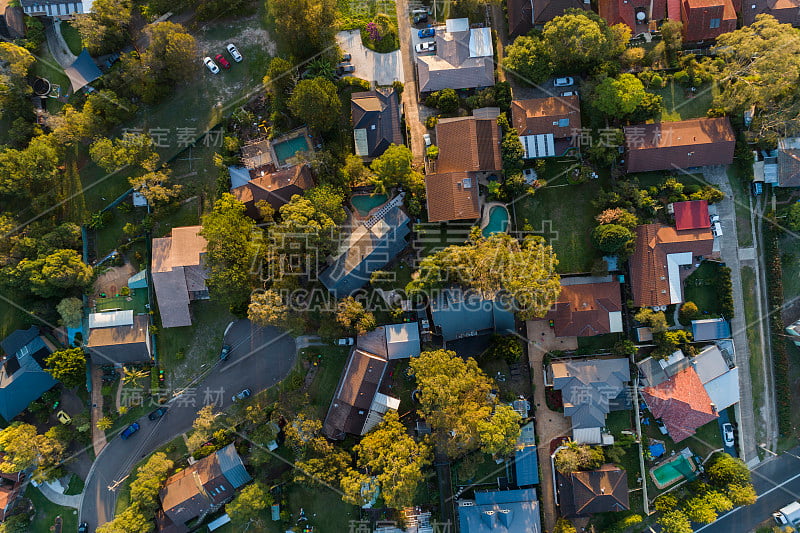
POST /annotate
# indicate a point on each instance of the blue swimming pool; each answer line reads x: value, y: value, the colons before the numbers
x: 288, y: 148
x: 498, y: 221
x: 364, y: 203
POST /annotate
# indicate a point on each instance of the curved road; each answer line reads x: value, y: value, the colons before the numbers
x: 260, y: 358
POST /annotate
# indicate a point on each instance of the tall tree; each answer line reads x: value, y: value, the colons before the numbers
x: 267, y: 309
x: 306, y: 26
x: 105, y: 29
x: 583, y: 40
x: 618, y: 97
x: 67, y: 366
x: 250, y: 505
x: 350, y: 313
x: 394, y: 169
x: 149, y: 479
x: 55, y: 273
x: 25, y: 448
x: 529, y: 59
x: 316, y: 102
x: 328, y: 199
x: 71, y: 311
x: 201, y: 428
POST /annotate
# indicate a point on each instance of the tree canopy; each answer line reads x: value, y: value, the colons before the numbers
x: 620, y: 96
x: 316, y: 102
x: 67, y: 366
x: 394, y: 169
x: 25, y: 448
x: 306, y: 26
x: 249, y: 505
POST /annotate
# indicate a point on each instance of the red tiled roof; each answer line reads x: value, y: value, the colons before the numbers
x: 468, y: 144
x: 277, y: 188
x: 583, y: 310
x: 624, y: 12
x: 697, y: 15
x: 691, y: 215
x: 520, y: 17
x: 449, y: 199
x: 786, y: 11
x: 682, y: 403
x: 541, y: 115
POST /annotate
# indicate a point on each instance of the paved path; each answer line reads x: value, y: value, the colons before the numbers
x: 370, y: 65
x: 58, y: 498
x: 549, y: 425
x: 98, y: 436
x: 415, y: 128
x: 57, y: 45
x: 260, y: 358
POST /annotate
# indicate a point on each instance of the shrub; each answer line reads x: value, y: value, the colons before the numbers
x: 431, y: 121
x: 353, y: 81
x: 448, y: 101
x: 398, y: 87
x: 432, y: 152
x: 688, y: 312
x: 611, y: 238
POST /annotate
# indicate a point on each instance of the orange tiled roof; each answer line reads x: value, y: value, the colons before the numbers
x: 682, y: 403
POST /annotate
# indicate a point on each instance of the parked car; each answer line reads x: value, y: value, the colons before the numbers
x: 83, y: 528
x: 63, y: 417
x: 208, y: 62
x: 420, y: 17
x: 427, y: 138
x: 569, y: 93
x: 346, y: 58
x: 661, y: 427
x: 225, y: 353
x: 425, y: 325
x: 130, y: 430
x: 222, y: 61
x: 427, y: 46
x: 345, y: 69
x: 716, y: 229
x: 564, y: 82
x: 714, y: 219
x: 158, y: 413
x: 757, y: 188
x: 241, y: 396
x: 345, y: 341
x: 234, y: 52
x: 426, y: 32
x: 727, y: 434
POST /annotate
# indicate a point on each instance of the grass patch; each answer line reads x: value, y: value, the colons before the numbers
x: 701, y: 288
x: 434, y: 236
x: 741, y: 201
x: 330, y: 368
x: 598, y: 342
x: 477, y: 468
x: 682, y: 104
x: 323, y: 507
x: 354, y: 14
x: 753, y: 341
x: 47, y: 67
x: 75, y: 485
x: 619, y: 421
x: 72, y: 37
x: 46, y: 513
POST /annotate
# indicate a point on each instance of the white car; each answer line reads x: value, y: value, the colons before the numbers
x: 564, y: 82
x: 427, y: 46
x: 346, y: 341
x: 427, y: 138
x: 727, y: 434
x: 211, y: 65
x: 234, y: 52
x: 569, y: 93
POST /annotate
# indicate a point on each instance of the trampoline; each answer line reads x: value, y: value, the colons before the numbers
x: 41, y: 87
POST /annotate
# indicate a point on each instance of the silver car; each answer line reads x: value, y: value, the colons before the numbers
x: 208, y: 62
x: 234, y: 52
x: 727, y: 434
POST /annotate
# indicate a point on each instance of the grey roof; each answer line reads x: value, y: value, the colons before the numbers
x: 710, y: 329
x: 652, y: 372
x: 393, y: 341
x: 22, y: 379
x: 457, y: 314
x: 121, y: 344
x: 367, y: 249
x: 232, y: 467
x: 507, y: 511
x: 459, y: 62
x: 377, y: 114
x: 55, y: 8
x: 82, y: 71
x: 589, y: 387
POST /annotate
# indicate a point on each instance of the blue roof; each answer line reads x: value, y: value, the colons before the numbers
x: 711, y: 329
x: 232, y: 467
x: 239, y: 176
x: 22, y: 381
x: 657, y: 449
x: 369, y: 248
x: 14, y: 342
x: 458, y: 314
x: 526, y: 466
x: 507, y: 511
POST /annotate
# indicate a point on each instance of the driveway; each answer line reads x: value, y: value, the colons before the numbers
x: 411, y: 105
x: 57, y: 45
x: 260, y: 358
x: 382, y: 69
x: 722, y: 420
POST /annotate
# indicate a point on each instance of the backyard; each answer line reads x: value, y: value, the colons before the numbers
x: 701, y: 288
x: 46, y: 513
x: 681, y: 104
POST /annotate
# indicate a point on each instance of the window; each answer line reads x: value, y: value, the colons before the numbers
x: 715, y: 23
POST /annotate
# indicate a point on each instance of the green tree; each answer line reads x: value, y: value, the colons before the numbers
x: 350, y: 313
x: 25, y: 448
x: 699, y: 509
x: 455, y: 401
x: 577, y: 457
x: 564, y: 526
x: 583, y: 40
x: 29, y: 172
x: 131, y: 520
x: 448, y: 101
x: 267, y: 309
x: 394, y: 169
x: 71, y: 311
x: 355, y: 172
x: 15, y: 61
x: 611, y: 238
x: 250, y: 505
x: 655, y: 320
x: 153, y: 187
x: 619, y: 216
x: 303, y: 224
x: 512, y: 153
x: 328, y: 199
x: 618, y: 97
x: 67, y: 366
x: 105, y: 29
x: 741, y: 494
x: 726, y: 470
x: 672, y: 37
x: 674, y: 522
x: 666, y: 502
x: 170, y: 56
x: 59, y: 271
x: 316, y: 102
x: 529, y: 59
x: 305, y: 26
x: 506, y: 347
x: 135, y: 150
x: 279, y: 79
x: 149, y: 479
x: 395, y: 459
x: 18, y: 523
x: 202, y: 428
x: 687, y: 313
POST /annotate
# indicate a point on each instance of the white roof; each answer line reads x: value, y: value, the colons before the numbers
x: 383, y: 403
x: 360, y: 138
x: 674, y: 262
x: 587, y: 435
x: 673, y: 358
x: 454, y: 25
x: 724, y: 390
x: 615, y: 321
x: 541, y: 145
x: 480, y: 42
x: 710, y: 364
x: 139, y: 200
x: 110, y: 319
x: 219, y: 522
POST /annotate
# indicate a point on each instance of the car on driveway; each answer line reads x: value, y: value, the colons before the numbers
x: 727, y: 434
x: 427, y: 138
x: 208, y: 62
x: 222, y: 61
x: 345, y: 341
x: 158, y: 413
x: 83, y: 528
x: 420, y: 17
x: 234, y: 52
x: 427, y: 46
x: 225, y: 353
x: 426, y: 32
x: 63, y: 417
x: 130, y: 430
x: 241, y: 396
x: 563, y: 82
x: 346, y: 58
x: 345, y: 69
x: 569, y: 93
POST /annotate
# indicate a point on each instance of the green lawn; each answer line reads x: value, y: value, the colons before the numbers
x: 46, y: 513
x: 619, y: 421
x: 47, y: 67
x: 324, y: 508
x: 701, y: 288
x: 75, y: 485
x: 681, y: 104
x: 753, y: 341
x: 598, y: 342
x: 741, y: 201
x: 72, y: 38
x: 330, y: 368
x: 354, y: 14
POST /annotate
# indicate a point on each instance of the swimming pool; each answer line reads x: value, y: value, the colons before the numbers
x: 285, y: 150
x: 364, y: 203
x: 498, y: 221
x: 674, y: 470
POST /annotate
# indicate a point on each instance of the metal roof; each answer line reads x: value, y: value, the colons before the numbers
x: 232, y: 467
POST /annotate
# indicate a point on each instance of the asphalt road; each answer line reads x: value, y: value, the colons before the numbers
x: 777, y: 483
x: 260, y: 358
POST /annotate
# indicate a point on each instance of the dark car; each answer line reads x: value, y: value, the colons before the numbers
x: 225, y: 353
x: 222, y: 61
x: 83, y: 528
x: 130, y: 430
x: 427, y: 32
x: 346, y: 58
x: 241, y: 396
x: 420, y: 17
x: 158, y: 413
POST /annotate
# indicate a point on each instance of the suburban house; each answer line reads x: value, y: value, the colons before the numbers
x: 526, y: 463
x: 587, y: 307
x: 376, y: 122
x: 786, y: 11
x: 119, y: 337
x: 705, y: 20
x: 710, y: 329
x: 662, y: 259
x: 470, y: 144
x: 684, y: 144
x: 641, y: 16
x: 57, y: 9
x: 788, y: 163
x: 361, y: 400
x: 500, y: 511
x: 22, y: 378
x: 372, y: 245
x: 590, y: 389
x: 11, y: 485
x: 582, y: 494
x: 547, y: 126
x: 523, y: 15
x: 463, y: 59
x: 452, y: 196
x: 457, y: 315
x: 691, y: 215
x: 200, y: 489
x: 275, y: 188
x: 179, y: 275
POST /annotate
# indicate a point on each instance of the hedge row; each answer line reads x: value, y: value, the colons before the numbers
x: 725, y: 292
x: 780, y: 355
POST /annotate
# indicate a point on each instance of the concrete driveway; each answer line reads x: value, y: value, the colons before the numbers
x: 382, y: 69
x: 722, y: 420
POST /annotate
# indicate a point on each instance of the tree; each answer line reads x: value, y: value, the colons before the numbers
x: 25, y: 448
x: 529, y: 59
x: 355, y: 172
x: 506, y: 347
x: 153, y: 186
x: 51, y: 275
x: 130, y: 520
x: 15, y: 61
x: 611, y: 238
x: 512, y: 153
x: 351, y: 315
x: 105, y: 29
x: 149, y: 479
x: 104, y: 423
x: 231, y: 251
x: 395, y: 459
x: 67, y: 366
x: 619, y: 216
x: 499, y: 432
x: 71, y: 311
x: 582, y: 40
x: 741, y: 494
x: 135, y: 150
x: 394, y: 169
x: 202, y: 428
x: 29, y: 172
x: 249, y: 505
x: 304, y: 228
x: 666, y: 502
x: 306, y: 26
x: 279, y: 79
x: 699, y: 509
x: 672, y: 37
x: 564, y: 526
x: 328, y: 199
x: 726, y: 470
x: 618, y: 97
x: 688, y: 312
x: 455, y: 401
x: 655, y: 320
x: 448, y: 101
x: 267, y: 309
x: 169, y: 57
x: 316, y: 102
x: 499, y: 265
x: 577, y: 457
x: 674, y: 522
x: 18, y: 523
